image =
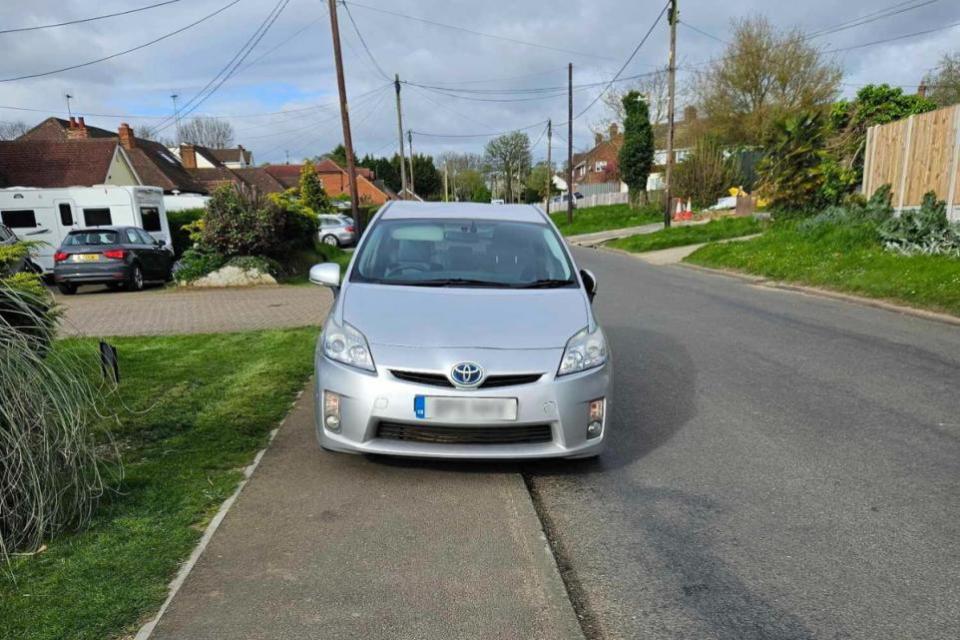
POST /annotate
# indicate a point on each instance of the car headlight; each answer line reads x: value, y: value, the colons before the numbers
x: 347, y: 345
x: 585, y: 350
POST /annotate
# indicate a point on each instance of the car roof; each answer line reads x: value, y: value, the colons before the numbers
x: 104, y: 228
x: 409, y: 209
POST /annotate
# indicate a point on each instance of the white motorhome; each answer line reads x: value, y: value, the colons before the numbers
x: 48, y: 215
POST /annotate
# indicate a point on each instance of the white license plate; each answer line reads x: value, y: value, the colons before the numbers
x: 465, y: 409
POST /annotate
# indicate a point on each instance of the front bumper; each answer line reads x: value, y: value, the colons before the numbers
x: 369, y: 399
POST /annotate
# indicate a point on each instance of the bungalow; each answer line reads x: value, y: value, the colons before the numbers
x: 205, y: 168
x: 207, y: 158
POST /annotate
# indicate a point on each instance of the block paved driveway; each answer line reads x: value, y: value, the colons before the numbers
x: 95, y: 312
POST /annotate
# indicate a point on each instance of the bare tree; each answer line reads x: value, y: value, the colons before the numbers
x: 149, y: 133
x: 944, y: 82
x: 763, y: 75
x: 652, y: 87
x: 10, y: 130
x: 214, y: 133
x: 509, y: 158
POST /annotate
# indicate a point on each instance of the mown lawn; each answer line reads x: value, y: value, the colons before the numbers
x: 845, y: 259
x: 615, y: 216
x: 197, y: 408
x: 300, y: 262
x: 678, y: 236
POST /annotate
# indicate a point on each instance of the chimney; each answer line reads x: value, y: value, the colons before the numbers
x: 77, y: 130
x: 127, y: 139
x: 597, y: 139
x: 690, y: 113
x: 242, y: 154
x: 922, y: 88
x: 188, y: 156
x: 614, y: 130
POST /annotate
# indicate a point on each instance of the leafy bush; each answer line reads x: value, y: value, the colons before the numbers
x: 25, y: 304
x: 180, y: 235
x: 706, y: 174
x: 49, y: 460
x: 265, y: 265
x: 855, y: 211
x: 791, y: 173
x: 196, y: 263
x: 924, y: 231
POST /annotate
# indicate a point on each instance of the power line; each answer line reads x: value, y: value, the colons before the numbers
x: 122, y: 53
x: 364, y: 43
x: 885, y: 40
x: 471, y: 31
x: 893, y: 10
x: 704, y: 33
x: 83, y: 20
x: 231, y: 67
x: 629, y: 59
x: 479, y: 135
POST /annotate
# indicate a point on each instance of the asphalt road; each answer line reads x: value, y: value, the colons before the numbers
x: 780, y: 466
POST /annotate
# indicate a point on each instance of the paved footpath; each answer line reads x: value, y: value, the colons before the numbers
x: 324, y: 545
x: 160, y: 311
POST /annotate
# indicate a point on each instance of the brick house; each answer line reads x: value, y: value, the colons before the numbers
x: 599, y: 165
x: 204, y: 167
x: 334, y: 180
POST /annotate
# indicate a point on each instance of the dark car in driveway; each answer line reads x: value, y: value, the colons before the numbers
x: 120, y: 257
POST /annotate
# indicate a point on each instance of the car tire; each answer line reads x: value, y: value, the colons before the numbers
x: 135, y: 281
x: 330, y: 240
x: 67, y: 288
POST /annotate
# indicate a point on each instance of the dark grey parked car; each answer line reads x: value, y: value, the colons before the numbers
x: 126, y: 257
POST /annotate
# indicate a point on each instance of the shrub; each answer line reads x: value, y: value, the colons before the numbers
x: 180, y: 228
x: 196, y: 263
x: 25, y: 304
x: 49, y: 460
x: 265, y: 265
x: 706, y: 174
x: 855, y: 211
x: 791, y: 174
x: 924, y: 231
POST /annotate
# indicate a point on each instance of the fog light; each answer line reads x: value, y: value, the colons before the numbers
x: 594, y: 429
x: 331, y: 410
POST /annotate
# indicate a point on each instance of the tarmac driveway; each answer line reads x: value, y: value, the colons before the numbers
x: 165, y: 311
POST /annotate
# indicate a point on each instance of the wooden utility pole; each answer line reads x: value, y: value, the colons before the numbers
x: 570, y: 143
x: 549, y: 162
x: 345, y: 117
x: 413, y: 189
x: 403, y: 157
x: 672, y: 16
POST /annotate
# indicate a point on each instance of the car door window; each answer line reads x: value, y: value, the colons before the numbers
x: 133, y: 237
x: 146, y: 238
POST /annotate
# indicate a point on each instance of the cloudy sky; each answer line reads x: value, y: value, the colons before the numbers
x: 282, y: 97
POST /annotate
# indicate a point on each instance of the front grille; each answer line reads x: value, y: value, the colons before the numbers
x: 512, y: 434
x: 440, y: 380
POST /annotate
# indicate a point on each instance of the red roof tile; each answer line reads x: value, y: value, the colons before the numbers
x: 56, y: 164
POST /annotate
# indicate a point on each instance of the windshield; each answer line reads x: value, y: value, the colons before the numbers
x: 86, y: 238
x: 487, y: 253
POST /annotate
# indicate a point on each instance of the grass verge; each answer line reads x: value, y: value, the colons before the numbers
x: 614, y: 216
x: 199, y: 407
x: 300, y: 262
x: 843, y: 258
x: 692, y: 234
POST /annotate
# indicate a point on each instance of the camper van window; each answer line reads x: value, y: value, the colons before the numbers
x: 66, y: 214
x: 97, y: 217
x: 151, y: 218
x: 22, y: 219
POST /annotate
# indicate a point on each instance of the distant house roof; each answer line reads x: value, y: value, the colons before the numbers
x: 238, y: 154
x: 153, y: 163
x: 52, y: 164
x: 252, y: 177
x: 55, y: 129
x: 287, y: 174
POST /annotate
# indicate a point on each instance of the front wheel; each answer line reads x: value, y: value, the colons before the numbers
x: 331, y: 241
x: 135, y: 283
x: 67, y: 288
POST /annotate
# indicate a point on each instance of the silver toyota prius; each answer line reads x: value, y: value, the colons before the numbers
x: 462, y: 331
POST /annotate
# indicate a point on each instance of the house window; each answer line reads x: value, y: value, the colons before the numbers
x: 66, y: 214
x: 22, y: 219
x: 97, y: 217
x: 599, y: 166
x: 150, y: 217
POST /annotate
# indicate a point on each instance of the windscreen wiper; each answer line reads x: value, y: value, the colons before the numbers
x: 546, y: 283
x: 452, y: 282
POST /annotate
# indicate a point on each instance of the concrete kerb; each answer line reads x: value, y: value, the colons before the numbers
x: 147, y: 629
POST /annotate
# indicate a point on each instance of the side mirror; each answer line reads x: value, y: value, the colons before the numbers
x: 326, y: 274
x: 590, y: 282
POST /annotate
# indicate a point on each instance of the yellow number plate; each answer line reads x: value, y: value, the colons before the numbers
x: 86, y: 257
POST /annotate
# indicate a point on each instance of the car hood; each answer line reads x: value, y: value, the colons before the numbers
x: 471, y: 318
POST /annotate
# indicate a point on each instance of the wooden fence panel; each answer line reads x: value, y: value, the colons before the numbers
x: 916, y: 155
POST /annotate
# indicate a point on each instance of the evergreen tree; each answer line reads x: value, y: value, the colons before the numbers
x: 312, y: 194
x: 636, y: 154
